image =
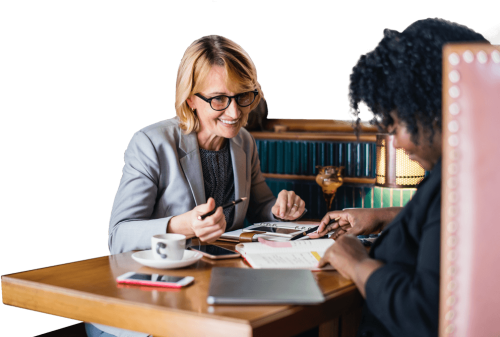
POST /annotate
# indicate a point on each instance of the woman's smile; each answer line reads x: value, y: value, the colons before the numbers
x: 228, y: 122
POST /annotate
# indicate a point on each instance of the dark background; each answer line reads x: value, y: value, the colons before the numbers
x: 76, y: 92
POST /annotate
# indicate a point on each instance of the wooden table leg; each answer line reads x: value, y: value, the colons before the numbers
x: 349, y: 323
x: 330, y: 328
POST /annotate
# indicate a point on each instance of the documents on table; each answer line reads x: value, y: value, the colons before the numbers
x: 234, y: 236
x: 303, y: 254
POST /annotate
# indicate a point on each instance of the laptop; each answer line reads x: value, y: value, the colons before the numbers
x: 263, y: 286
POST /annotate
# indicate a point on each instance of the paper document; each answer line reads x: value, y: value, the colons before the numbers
x: 298, y: 255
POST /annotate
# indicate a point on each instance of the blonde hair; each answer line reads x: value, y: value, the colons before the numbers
x: 198, y: 60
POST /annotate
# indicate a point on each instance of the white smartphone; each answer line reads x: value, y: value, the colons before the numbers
x: 156, y: 280
x: 215, y: 252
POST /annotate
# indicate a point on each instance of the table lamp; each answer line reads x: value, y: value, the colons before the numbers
x: 395, y: 169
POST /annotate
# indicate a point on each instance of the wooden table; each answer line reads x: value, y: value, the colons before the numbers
x: 87, y: 291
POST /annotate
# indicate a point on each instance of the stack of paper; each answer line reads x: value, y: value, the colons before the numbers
x: 303, y: 254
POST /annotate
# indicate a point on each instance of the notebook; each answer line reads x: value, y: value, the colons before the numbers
x: 271, y: 286
x: 300, y: 254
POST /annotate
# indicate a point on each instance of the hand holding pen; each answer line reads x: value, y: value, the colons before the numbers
x: 325, y: 227
x: 229, y: 204
x: 356, y: 221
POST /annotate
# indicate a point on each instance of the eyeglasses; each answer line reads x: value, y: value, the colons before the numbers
x: 219, y: 103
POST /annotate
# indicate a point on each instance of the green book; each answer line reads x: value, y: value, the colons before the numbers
x: 263, y: 156
x: 296, y: 158
x: 280, y: 158
x: 304, y: 158
x: 271, y: 156
x: 313, y: 155
x: 288, y: 157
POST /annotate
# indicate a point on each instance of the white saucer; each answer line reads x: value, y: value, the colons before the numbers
x: 145, y: 257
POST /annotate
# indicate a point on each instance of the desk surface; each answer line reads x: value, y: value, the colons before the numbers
x: 87, y: 291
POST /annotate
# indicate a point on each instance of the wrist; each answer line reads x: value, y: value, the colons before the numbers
x: 386, y: 215
x: 362, y: 272
x: 179, y: 225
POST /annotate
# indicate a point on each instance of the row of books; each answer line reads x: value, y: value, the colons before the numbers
x: 348, y: 196
x: 302, y: 157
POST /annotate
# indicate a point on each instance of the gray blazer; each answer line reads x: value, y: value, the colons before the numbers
x: 163, y: 177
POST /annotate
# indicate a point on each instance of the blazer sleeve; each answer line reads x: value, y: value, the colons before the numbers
x: 262, y: 199
x: 405, y: 298
x: 131, y: 226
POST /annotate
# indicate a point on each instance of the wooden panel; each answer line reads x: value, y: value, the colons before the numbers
x: 347, y: 180
x: 330, y: 328
x: 315, y: 125
x: 320, y: 136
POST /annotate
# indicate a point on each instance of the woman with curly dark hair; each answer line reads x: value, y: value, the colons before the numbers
x: 400, y: 81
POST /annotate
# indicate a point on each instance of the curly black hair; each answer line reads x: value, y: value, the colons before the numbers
x: 403, y: 73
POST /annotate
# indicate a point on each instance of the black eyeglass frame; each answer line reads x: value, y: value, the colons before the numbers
x: 209, y: 100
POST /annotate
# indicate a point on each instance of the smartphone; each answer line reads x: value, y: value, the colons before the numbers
x: 156, y: 280
x: 215, y: 252
x: 286, y: 232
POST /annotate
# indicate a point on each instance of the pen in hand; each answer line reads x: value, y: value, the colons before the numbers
x: 232, y: 203
x: 329, y: 223
x: 303, y: 234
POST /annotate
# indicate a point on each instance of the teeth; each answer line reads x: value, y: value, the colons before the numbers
x: 228, y: 122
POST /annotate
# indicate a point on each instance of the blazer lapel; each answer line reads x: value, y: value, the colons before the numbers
x: 191, y: 165
x: 239, y: 161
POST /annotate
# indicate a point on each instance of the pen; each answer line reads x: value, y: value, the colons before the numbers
x: 332, y: 221
x: 232, y: 203
x: 298, y: 236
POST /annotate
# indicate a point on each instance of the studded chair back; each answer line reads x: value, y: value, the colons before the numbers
x: 470, y: 231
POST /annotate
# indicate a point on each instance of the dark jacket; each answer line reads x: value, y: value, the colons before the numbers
x: 402, y: 297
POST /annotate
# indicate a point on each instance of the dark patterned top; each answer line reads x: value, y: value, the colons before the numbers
x: 219, y: 179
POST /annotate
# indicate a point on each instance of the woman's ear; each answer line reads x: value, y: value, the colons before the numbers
x: 190, y: 102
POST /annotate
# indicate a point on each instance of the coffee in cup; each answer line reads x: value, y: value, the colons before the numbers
x: 168, y: 246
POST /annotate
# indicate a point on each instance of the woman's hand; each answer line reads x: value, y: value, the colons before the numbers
x: 288, y: 206
x: 344, y: 254
x: 350, y: 258
x: 207, y: 230
x: 356, y: 221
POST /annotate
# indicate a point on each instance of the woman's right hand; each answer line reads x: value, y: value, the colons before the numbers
x: 207, y: 230
x: 356, y: 221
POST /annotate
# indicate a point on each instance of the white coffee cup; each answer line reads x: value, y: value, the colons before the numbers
x: 168, y: 246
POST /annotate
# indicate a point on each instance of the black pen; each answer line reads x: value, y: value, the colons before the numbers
x: 232, y: 203
x: 303, y: 234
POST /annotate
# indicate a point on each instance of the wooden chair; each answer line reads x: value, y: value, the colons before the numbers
x: 470, y: 297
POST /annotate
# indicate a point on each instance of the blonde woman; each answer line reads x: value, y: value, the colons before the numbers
x: 180, y: 168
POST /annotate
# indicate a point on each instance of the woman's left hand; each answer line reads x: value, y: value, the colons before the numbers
x: 350, y: 258
x: 289, y: 206
x: 344, y: 255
